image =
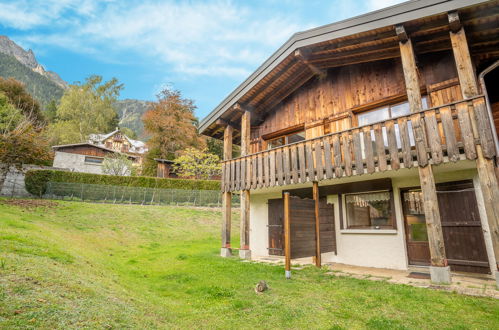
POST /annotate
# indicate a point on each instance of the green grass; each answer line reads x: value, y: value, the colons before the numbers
x: 114, y: 266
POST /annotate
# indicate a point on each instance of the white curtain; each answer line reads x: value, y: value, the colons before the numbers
x: 363, y: 200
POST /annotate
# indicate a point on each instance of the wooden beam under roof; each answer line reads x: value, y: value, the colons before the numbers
x: 302, y: 55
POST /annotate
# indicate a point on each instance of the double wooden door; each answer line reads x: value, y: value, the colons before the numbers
x: 302, y: 227
x: 461, y: 227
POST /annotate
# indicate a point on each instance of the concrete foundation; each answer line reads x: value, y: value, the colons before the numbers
x: 226, y: 252
x: 440, y: 275
x: 245, y: 254
x: 497, y: 279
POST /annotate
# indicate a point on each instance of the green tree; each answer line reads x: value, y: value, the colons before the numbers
x: 10, y: 116
x: 51, y: 111
x: 18, y: 96
x: 85, y: 109
x: 199, y: 164
x: 117, y: 164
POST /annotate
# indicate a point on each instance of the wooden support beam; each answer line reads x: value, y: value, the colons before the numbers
x: 401, y: 33
x: 226, y: 198
x: 225, y: 123
x: 465, y: 71
x: 315, y: 193
x: 432, y: 217
x: 287, y: 236
x: 431, y: 209
x: 244, y: 251
x: 303, y: 57
x: 485, y: 166
x: 454, y: 21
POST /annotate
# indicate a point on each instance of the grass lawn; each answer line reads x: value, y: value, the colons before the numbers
x: 75, y: 265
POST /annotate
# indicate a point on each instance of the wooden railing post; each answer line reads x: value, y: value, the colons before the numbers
x: 485, y: 166
x: 287, y: 237
x: 317, y: 225
x: 439, y: 270
x: 244, y: 251
x: 226, y: 250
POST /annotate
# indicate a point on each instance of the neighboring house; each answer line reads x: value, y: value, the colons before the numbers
x: 82, y: 157
x: 118, y: 141
x: 165, y: 168
x: 380, y: 135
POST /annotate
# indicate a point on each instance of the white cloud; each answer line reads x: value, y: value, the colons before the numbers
x: 192, y: 38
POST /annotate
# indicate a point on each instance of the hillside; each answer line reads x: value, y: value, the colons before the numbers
x: 130, y: 113
x: 28, y: 59
x: 39, y: 86
x: 74, y: 265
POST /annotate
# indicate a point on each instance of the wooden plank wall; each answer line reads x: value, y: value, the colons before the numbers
x: 324, y: 106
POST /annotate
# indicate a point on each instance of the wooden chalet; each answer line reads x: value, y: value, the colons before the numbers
x: 372, y: 142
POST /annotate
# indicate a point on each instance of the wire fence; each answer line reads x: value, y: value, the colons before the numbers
x: 98, y: 193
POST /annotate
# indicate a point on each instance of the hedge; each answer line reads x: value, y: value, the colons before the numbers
x: 36, y: 181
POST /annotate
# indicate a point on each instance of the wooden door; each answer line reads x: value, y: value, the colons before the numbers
x: 276, y: 227
x: 418, y: 250
x: 302, y: 227
x: 462, y: 228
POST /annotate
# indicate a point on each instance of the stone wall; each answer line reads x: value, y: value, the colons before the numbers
x: 13, y: 182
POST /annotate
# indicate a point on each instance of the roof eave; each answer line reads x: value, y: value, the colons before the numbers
x: 396, y: 14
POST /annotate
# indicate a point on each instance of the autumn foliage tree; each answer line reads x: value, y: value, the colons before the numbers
x: 171, y: 125
x: 19, y: 98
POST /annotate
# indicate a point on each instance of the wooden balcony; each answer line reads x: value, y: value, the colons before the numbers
x: 438, y: 135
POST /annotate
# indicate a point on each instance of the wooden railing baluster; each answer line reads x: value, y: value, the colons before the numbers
x: 447, y: 128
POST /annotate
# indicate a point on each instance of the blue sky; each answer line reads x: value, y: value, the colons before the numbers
x: 203, y: 48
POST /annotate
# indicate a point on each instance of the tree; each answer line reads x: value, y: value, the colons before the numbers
x: 85, y: 109
x: 51, y: 111
x: 18, y: 96
x: 117, y: 164
x: 199, y: 164
x: 129, y: 132
x: 171, y: 124
x: 10, y: 116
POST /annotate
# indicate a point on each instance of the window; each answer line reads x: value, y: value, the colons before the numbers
x: 388, y: 112
x: 372, y: 210
x: 93, y: 160
x: 286, y: 139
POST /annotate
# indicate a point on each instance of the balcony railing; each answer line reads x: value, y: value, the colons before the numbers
x: 438, y: 135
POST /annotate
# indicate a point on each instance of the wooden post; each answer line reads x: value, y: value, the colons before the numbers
x: 226, y: 250
x: 287, y: 237
x: 485, y: 167
x: 440, y: 272
x: 244, y: 251
x: 315, y: 192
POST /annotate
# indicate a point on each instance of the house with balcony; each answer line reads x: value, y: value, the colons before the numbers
x: 371, y: 142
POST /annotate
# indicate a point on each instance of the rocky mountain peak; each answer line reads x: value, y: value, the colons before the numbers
x: 28, y: 59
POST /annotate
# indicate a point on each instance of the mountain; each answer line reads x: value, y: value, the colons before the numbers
x: 40, y: 87
x: 130, y: 112
x: 45, y: 85
x: 27, y: 58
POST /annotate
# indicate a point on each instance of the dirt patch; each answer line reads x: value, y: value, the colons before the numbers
x: 30, y: 203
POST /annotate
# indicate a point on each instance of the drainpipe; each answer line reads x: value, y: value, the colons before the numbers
x: 481, y: 78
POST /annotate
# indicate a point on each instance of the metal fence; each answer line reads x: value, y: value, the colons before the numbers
x: 134, y: 195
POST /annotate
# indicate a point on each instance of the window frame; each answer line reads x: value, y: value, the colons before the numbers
x: 389, y: 108
x: 92, y: 162
x: 283, y: 136
x: 388, y: 230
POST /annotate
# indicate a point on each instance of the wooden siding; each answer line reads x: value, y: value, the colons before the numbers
x: 86, y: 150
x: 328, y: 105
x: 433, y: 136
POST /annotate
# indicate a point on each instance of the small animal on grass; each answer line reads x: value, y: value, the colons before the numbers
x: 261, y: 286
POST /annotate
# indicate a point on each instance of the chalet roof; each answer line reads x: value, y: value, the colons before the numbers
x: 137, y: 146
x: 364, y: 38
x: 165, y: 161
x: 87, y: 144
